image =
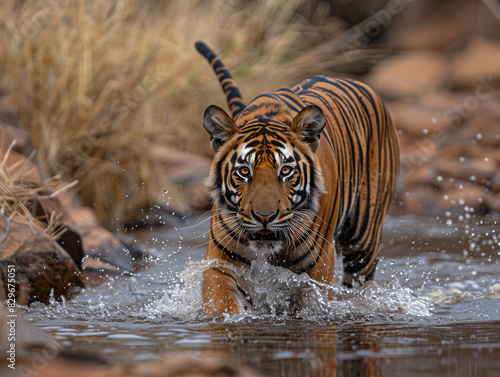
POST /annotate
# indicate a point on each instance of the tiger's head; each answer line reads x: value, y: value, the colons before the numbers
x: 265, y: 180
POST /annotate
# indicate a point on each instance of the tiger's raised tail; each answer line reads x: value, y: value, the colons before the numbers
x: 229, y: 86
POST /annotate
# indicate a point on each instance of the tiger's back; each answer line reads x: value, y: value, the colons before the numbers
x: 362, y: 142
x: 298, y: 175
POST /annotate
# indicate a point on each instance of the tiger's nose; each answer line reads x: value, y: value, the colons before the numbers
x: 264, y: 218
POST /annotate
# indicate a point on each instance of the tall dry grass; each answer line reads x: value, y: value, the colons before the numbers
x: 98, y: 83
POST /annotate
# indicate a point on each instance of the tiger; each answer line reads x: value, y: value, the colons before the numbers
x: 297, y: 176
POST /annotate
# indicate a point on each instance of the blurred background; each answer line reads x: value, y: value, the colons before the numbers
x: 111, y: 94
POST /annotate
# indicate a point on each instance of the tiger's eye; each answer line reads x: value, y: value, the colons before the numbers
x: 286, y: 171
x: 243, y: 171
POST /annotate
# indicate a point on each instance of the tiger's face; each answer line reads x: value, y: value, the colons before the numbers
x: 265, y: 179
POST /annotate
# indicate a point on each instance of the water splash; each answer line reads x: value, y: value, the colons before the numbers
x: 279, y: 293
x: 458, y: 292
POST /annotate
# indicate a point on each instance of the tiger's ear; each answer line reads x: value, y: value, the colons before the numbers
x: 219, y: 125
x: 308, y: 124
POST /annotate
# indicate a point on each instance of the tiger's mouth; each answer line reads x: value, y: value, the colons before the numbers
x: 265, y: 235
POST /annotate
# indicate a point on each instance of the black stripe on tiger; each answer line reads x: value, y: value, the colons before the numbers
x: 229, y: 253
x: 231, y: 90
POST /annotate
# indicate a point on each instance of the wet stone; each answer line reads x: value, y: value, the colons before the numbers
x: 42, y: 267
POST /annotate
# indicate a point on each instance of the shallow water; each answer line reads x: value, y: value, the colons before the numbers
x: 434, y: 308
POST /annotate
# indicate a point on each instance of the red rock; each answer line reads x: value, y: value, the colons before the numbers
x: 410, y: 74
x: 42, y: 267
x: 477, y: 65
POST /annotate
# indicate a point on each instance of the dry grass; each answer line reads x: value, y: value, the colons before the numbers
x: 97, y: 83
x: 22, y: 197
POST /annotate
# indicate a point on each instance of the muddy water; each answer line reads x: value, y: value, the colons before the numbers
x: 434, y: 308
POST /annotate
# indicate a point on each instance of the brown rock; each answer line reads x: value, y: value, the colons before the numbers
x: 430, y: 24
x: 410, y: 74
x: 432, y: 33
x: 419, y: 199
x: 187, y: 171
x: 494, y: 203
x: 478, y: 171
x: 102, y: 245
x: 96, y: 272
x: 42, y: 267
x: 97, y: 242
x: 461, y: 194
x: 83, y: 235
x: 416, y: 154
x: 484, y: 129
x: 476, y: 65
x: 10, y: 134
x: 418, y: 120
x: 20, y: 169
x: 424, y: 174
x: 495, y: 182
x: 441, y: 100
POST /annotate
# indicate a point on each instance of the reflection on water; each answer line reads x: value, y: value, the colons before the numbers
x: 433, y: 309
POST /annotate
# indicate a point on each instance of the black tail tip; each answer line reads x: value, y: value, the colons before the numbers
x: 201, y: 46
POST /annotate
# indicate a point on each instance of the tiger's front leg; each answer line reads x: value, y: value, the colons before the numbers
x: 221, y: 293
x: 324, y: 269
